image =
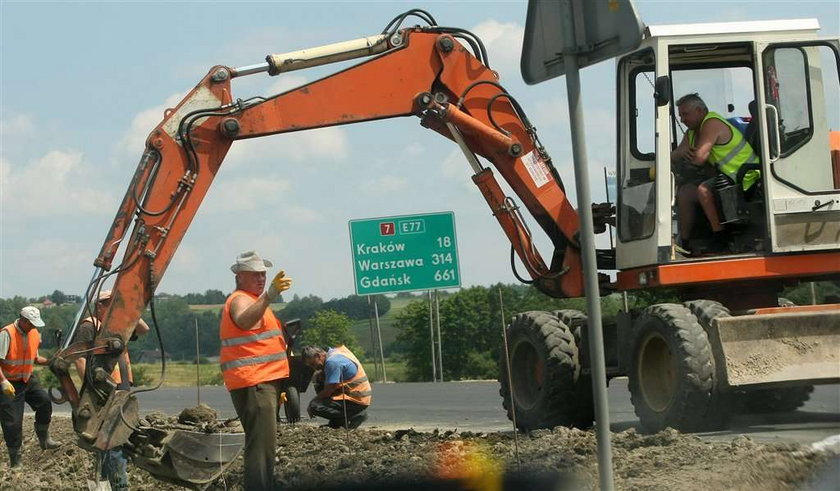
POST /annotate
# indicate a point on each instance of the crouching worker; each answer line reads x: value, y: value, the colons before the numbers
x: 19, y: 343
x: 346, y: 394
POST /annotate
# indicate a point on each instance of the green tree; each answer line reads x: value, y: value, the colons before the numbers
x: 303, y: 308
x: 359, y: 307
x: 330, y: 328
x: 471, y: 328
x: 58, y: 297
x: 176, y: 326
x: 10, y: 308
x: 801, y: 294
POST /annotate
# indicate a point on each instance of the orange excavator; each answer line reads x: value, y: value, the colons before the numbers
x: 683, y: 360
x: 438, y: 74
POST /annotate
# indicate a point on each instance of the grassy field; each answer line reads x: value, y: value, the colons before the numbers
x: 183, y: 374
x: 179, y: 374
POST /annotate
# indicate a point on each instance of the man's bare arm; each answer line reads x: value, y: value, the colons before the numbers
x: 246, y: 313
x: 141, y: 328
x: 712, y: 132
x: 81, y: 364
x: 680, y: 153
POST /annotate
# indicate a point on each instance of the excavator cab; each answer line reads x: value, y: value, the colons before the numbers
x: 781, y: 67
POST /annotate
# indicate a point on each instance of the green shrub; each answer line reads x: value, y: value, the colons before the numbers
x: 46, y: 378
x: 216, y: 379
x: 142, y: 375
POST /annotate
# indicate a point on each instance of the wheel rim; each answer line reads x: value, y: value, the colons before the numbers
x: 528, y: 371
x: 657, y: 372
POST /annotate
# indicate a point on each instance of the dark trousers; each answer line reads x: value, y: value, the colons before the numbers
x: 11, y: 411
x: 256, y: 407
x: 114, y: 467
x: 335, y: 411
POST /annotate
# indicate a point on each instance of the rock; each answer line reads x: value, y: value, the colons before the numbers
x: 198, y: 414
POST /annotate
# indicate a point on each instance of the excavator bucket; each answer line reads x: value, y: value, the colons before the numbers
x: 191, y: 459
x: 780, y: 347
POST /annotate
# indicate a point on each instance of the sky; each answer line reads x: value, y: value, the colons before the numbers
x: 83, y: 83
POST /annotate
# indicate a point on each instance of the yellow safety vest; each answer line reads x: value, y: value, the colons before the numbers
x: 730, y: 156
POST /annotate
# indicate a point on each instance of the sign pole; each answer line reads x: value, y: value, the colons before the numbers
x: 197, y: 365
x: 379, y: 338
x: 440, y: 348
x: 587, y: 245
x: 372, y: 336
x: 432, y: 338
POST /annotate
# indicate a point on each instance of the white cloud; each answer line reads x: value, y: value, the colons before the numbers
x: 59, y: 183
x: 413, y: 150
x: 550, y: 112
x: 385, y: 184
x: 503, y: 41
x: 300, y: 215
x: 19, y: 125
x: 456, y: 168
x: 311, y: 147
x: 285, y: 82
x: 133, y: 142
x: 244, y: 194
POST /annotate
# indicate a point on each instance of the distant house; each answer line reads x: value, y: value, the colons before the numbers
x: 47, y: 303
x: 152, y: 356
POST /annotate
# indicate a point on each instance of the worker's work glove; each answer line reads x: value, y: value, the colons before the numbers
x: 8, y: 389
x: 278, y: 285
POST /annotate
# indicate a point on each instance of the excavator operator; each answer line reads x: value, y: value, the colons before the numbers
x: 710, y: 139
x: 254, y: 363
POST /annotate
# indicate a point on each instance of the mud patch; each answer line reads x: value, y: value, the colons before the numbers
x: 311, y: 456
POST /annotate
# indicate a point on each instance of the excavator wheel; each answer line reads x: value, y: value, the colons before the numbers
x: 585, y: 408
x: 672, y: 373
x: 545, y: 371
x: 724, y: 403
x: 292, y: 404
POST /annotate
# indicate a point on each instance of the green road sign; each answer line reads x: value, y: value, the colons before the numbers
x: 405, y: 253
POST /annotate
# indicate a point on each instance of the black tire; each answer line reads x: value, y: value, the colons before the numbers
x: 545, y: 371
x: 292, y: 404
x: 576, y: 320
x: 671, y: 377
x: 783, y: 400
x: 724, y: 403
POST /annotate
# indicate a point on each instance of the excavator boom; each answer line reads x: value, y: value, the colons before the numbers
x: 420, y: 71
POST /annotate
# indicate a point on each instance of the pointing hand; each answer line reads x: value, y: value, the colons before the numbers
x: 278, y: 285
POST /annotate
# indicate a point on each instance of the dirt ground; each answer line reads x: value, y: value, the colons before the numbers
x: 309, y: 456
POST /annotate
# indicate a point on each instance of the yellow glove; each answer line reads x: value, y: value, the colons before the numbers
x: 278, y: 285
x: 8, y: 389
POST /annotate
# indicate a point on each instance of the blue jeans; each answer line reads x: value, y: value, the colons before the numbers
x: 114, y: 464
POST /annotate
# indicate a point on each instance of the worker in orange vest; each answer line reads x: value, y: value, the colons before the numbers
x: 112, y: 463
x: 253, y: 362
x: 19, y: 343
x: 346, y: 394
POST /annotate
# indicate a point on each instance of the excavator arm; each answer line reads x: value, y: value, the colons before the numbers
x: 421, y: 71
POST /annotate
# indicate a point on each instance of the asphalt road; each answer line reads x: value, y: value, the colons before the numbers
x: 477, y: 406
